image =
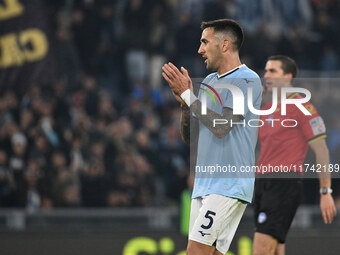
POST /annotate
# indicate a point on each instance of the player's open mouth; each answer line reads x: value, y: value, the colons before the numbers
x: 206, y: 59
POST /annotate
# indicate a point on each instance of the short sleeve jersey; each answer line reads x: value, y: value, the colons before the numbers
x: 237, y: 148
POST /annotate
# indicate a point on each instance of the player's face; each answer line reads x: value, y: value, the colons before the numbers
x: 210, y: 49
x: 275, y: 76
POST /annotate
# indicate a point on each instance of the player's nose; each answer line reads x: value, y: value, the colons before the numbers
x: 200, y: 50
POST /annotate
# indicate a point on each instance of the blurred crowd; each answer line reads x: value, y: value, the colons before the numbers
x: 131, y: 38
x: 107, y: 132
x: 73, y: 147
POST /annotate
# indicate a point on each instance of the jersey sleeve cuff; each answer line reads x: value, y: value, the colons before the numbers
x: 317, y: 138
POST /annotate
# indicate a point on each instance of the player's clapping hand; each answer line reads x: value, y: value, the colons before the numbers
x: 327, y: 207
x: 178, y: 82
x: 179, y: 99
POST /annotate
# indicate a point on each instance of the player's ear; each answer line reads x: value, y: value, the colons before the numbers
x: 226, y: 44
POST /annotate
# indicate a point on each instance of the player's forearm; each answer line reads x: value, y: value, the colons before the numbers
x: 322, y: 158
x: 185, y: 124
x: 320, y: 149
x: 208, y: 120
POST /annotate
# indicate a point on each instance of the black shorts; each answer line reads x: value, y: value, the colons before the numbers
x: 276, y: 201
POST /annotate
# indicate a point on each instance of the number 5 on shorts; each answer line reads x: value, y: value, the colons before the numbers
x: 211, y: 220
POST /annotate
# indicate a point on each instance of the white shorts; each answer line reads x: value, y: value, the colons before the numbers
x: 214, y: 218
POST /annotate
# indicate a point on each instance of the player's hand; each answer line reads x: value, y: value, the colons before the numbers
x: 178, y: 98
x: 327, y: 207
x: 178, y: 82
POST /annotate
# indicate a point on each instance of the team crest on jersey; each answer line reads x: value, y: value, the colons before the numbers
x: 262, y: 217
x: 317, y: 125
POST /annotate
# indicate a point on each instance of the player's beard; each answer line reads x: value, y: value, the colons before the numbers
x: 213, y: 61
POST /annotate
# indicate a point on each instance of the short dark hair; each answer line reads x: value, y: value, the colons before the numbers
x: 227, y: 26
x: 288, y: 64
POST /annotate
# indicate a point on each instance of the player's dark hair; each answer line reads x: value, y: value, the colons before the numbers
x: 227, y: 26
x: 288, y: 64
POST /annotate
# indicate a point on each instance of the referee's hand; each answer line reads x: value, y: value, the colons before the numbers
x: 327, y: 207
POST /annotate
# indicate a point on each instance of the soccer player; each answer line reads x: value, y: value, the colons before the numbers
x: 218, y: 203
x: 276, y: 199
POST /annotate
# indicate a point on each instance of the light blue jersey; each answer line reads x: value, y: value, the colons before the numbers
x: 222, y: 163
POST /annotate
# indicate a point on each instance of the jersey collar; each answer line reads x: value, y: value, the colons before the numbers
x: 292, y: 95
x: 230, y: 72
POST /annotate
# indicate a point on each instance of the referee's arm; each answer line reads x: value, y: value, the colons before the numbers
x: 327, y: 205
